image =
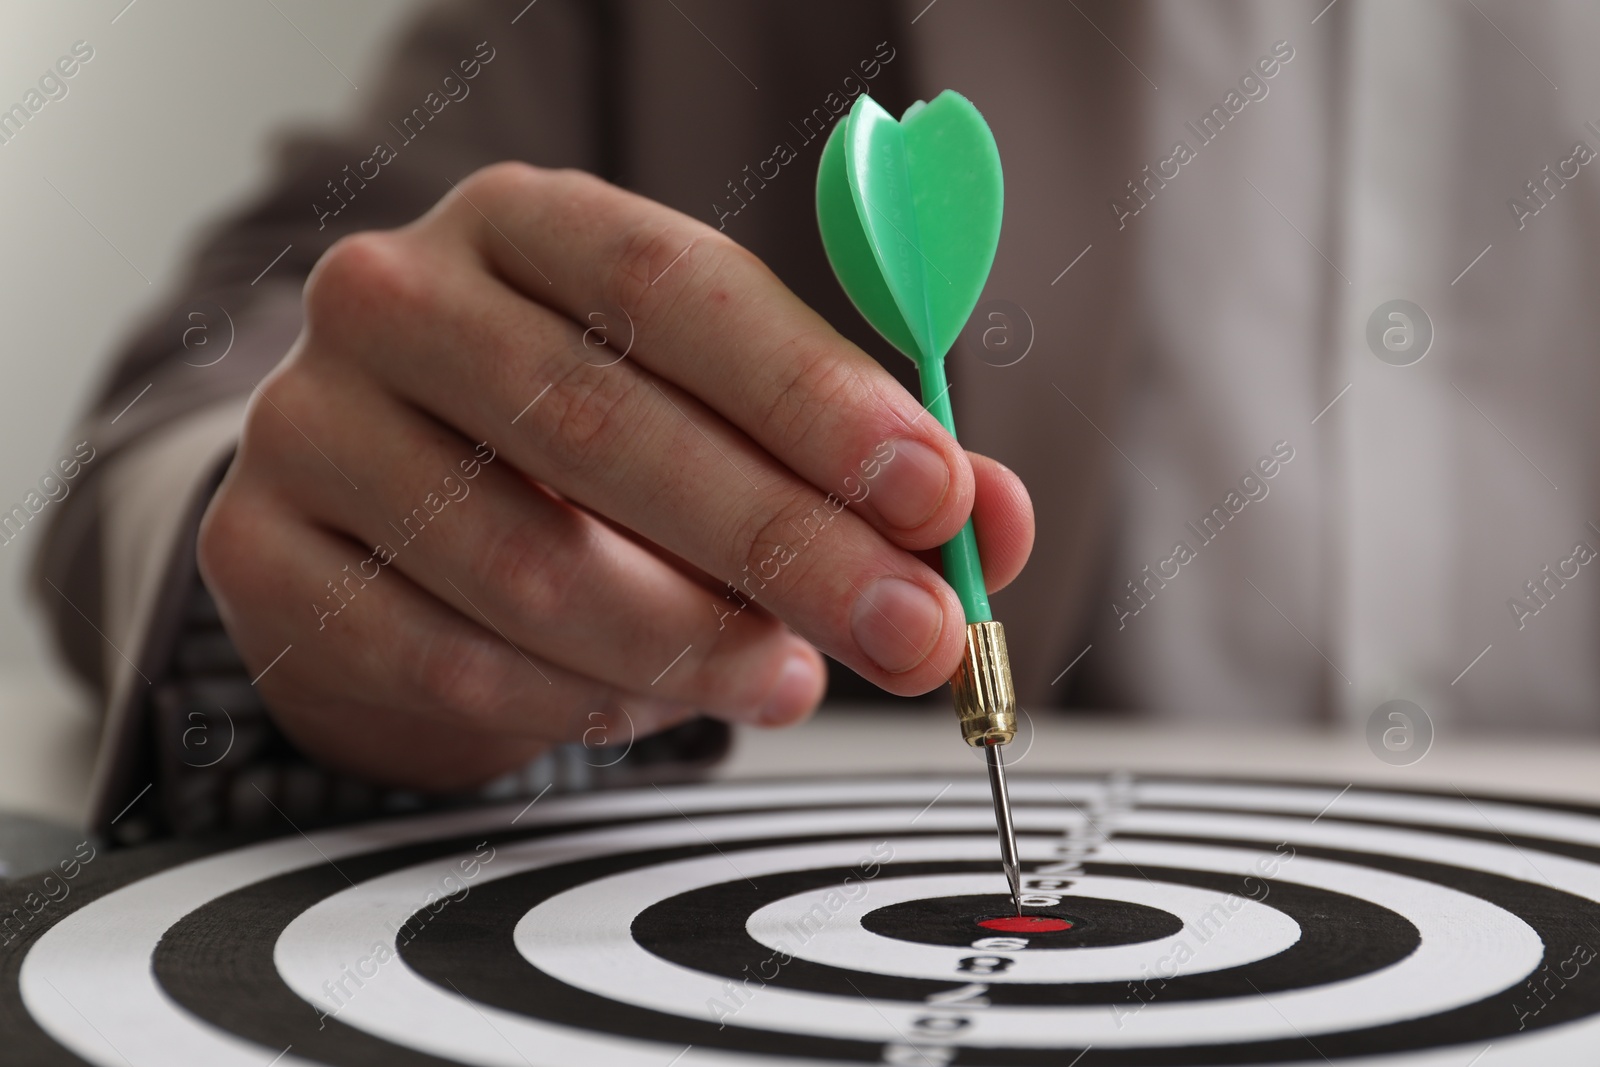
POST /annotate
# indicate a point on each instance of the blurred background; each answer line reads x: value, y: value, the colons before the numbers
x: 180, y: 103
x: 1250, y: 306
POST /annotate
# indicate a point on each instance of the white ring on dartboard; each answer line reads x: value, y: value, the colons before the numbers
x: 1446, y: 970
x: 1222, y: 930
x: 583, y: 937
x: 96, y: 962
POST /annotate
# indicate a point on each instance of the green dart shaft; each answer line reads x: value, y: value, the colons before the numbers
x: 962, y: 568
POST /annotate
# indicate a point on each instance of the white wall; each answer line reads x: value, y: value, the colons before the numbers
x: 166, y: 126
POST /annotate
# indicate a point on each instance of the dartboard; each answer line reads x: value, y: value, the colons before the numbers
x: 1164, y: 920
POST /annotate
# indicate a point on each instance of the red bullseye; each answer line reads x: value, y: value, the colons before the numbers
x: 1025, y: 924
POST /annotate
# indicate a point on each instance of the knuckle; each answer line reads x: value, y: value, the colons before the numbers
x: 497, y: 191
x: 274, y: 421
x: 589, y: 414
x: 510, y: 177
x: 660, y: 251
x: 641, y: 254
x: 541, y: 564
x: 361, y: 276
x: 224, y: 529
x: 814, y: 385
x: 461, y: 674
x: 579, y: 192
x: 774, y: 538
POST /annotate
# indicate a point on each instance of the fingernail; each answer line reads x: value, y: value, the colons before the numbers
x: 910, y: 485
x: 896, y: 623
x: 792, y: 696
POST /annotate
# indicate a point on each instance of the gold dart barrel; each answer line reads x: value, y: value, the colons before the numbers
x: 984, y: 697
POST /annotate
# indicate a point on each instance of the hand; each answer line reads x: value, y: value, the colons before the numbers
x: 475, y: 526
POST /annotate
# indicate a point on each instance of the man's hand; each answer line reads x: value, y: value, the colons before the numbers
x: 478, y: 526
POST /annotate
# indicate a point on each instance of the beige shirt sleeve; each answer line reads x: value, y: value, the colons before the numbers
x: 150, y: 498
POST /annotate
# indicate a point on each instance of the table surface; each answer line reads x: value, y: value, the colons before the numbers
x: 47, y: 743
x: 864, y: 741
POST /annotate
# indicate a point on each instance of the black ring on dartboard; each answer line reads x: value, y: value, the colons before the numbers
x: 1341, y: 937
x: 234, y: 937
x: 498, y: 973
x: 954, y: 922
x: 217, y: 961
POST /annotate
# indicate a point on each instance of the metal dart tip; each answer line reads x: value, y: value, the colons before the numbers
x: 1002, y: 822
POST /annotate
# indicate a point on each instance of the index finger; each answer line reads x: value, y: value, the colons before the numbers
x: 709, y: 316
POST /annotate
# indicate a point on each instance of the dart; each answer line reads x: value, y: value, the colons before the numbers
x: 909, y: 212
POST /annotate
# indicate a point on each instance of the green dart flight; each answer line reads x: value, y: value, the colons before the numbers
x: 910, y: 217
